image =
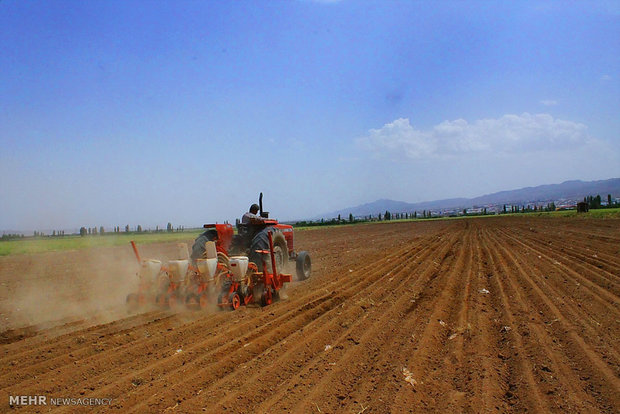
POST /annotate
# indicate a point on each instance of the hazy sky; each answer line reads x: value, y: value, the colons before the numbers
x: 130, y: 112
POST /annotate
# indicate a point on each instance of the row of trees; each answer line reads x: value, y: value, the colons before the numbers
x: 85, y: 231
x: 597, y: 202
x: 55, y: 233
x: 362, y: 219
x: 11, y: 236
x: 529, y: 208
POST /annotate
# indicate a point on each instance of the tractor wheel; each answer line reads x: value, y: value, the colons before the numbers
x: 234, y: 300
x: 132, y: 302
x: 203, y: 301
x: 304, y: 266
x: 280, y: 251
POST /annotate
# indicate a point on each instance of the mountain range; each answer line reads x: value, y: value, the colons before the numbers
x: 568, y: 190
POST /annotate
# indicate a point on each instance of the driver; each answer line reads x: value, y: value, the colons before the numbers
x: 251, y: 217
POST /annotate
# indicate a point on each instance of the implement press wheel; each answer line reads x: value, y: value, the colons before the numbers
x: 235, y: 300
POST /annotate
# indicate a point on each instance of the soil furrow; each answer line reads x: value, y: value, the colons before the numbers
x: 317, y: 326
x: 606, y: 272
x: 522, y: 391
x: 611, y: 301
x: 353, y: 366
x: 602, y: 370
x: 502, y: 314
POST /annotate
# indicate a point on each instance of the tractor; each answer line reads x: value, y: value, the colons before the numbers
x: 244, y: 268
x: 251, y: 263
x: 251, y: 238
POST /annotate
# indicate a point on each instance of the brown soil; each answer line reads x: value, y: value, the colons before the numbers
x: 482, y: 315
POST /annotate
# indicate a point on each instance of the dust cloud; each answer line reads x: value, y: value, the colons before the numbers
x: 40, y: 291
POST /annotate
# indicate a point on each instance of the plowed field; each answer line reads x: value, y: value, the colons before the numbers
x: 481, y: 315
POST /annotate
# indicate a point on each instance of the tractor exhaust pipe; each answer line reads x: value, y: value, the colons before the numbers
x: 263, y: 214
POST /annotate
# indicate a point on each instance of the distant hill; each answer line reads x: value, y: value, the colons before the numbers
x: 572, y: 190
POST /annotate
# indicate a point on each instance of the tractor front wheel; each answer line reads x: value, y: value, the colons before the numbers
x: 304, y: 266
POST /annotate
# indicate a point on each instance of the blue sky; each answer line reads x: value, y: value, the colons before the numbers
x: 129, y: 112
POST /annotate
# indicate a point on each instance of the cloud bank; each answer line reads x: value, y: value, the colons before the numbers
x: 510, y: 134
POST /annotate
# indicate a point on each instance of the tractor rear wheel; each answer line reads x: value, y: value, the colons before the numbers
x: 304, y: 266
x: 280, y: 251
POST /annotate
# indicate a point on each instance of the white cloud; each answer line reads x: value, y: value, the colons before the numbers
x: 605, y: 78
x: 549, y: 102
x: 510, y: 134
x: 400, y: 136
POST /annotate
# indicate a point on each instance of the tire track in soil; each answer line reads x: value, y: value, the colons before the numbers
x: 258, y: 357
x: 507, y: 258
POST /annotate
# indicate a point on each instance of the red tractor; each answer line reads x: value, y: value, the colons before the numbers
x: 253, y: 237
x: 245, y: 267
x: 251, y: 263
